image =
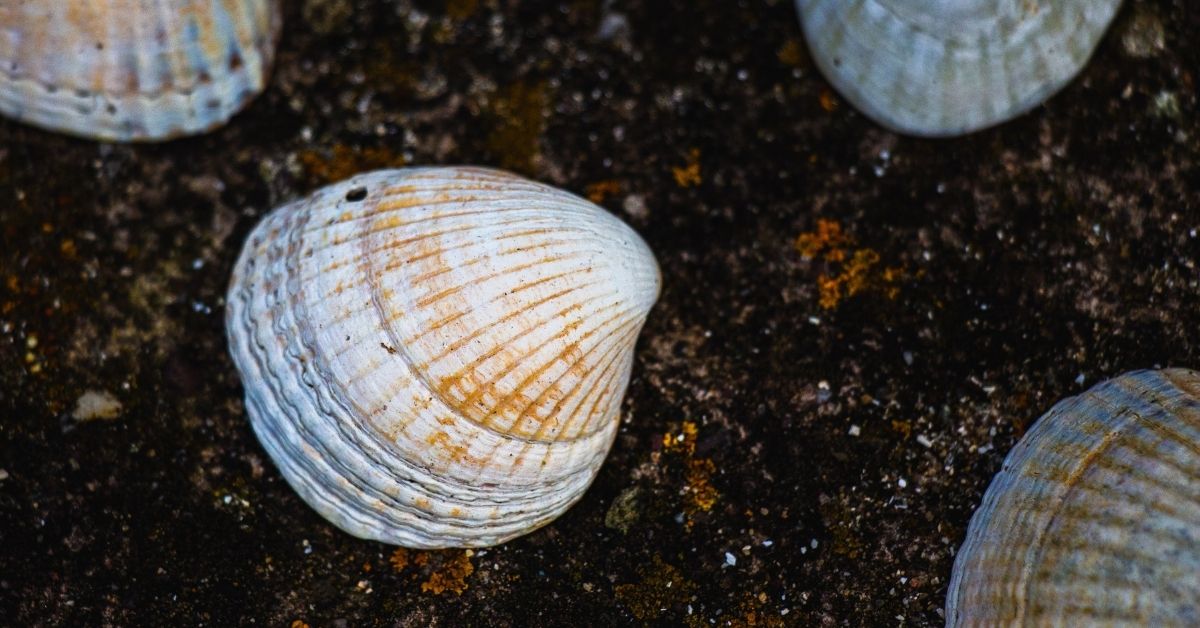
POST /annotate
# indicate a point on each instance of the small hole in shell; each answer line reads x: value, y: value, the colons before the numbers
x: 356, y: 195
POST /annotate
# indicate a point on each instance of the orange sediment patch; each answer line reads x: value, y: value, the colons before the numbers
x: 688, y: 175
x: 440, y: 571
x: 848, y: 270
x: 662, y: 588
x: 791, y: 53
x: 700, y: 494
x: 828, y: 100
x: 600, y: 190
x: 518, y: 113
x: 342, y: 162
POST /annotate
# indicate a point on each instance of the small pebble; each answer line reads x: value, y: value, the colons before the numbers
x: 96, y: 404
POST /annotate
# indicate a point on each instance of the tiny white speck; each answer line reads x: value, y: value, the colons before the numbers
x: 1080, y: 380
x: 730, y: 559
x: 768, y: 543
x: 902, y: 482
x: 813, y: 544
x: 814, y: 320
x: 855, y: 430
x: 924, y: 440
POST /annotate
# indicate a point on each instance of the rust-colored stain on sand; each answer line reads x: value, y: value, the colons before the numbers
x: 342, y: 162
x: 848, y: 270
x: 443, y: 571
x: 661, y: 588
x: 700, y: 494
x: 599, y: 191
x: 688, y: 175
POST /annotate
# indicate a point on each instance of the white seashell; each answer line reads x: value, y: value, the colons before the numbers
x: 436, y: 357
x: 948, y: 67
x: 1095, y: 516
x: 133, y: 70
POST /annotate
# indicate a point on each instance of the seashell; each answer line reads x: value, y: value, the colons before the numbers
x: 436, y: 357
x: 1095, y: 516
x: 133, y: 70
x: 948, y: 67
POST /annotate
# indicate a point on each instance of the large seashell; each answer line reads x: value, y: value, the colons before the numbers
x: 1095, y: 516
x: 948, y: 67
x: 436, y: 357
x: 133, y: 70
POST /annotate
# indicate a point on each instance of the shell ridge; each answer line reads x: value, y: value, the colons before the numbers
x: 601, y: 367
x: 570, y: 440
x: 327, y: 434
x: 326, y: 400
x: 1106, y: 488
x: 144, y: 79
x: 536, y: 375
x: 879, y: 55
x: 414, y: 368
x: 498, y: 407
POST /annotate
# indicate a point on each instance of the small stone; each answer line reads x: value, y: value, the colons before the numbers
x: 635, y: 206
x: 96, y: 404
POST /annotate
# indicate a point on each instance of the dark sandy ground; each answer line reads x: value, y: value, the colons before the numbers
x: 811, y: 421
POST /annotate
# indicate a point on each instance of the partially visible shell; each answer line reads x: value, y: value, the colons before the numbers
x: 1095, y: 516
x: 436, y: 357
x: 133, y: 70
x: 948, y: 67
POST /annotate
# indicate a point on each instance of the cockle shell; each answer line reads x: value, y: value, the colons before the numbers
x: 1095, y: 516
x: 948, y: 67
x: 436, y: 357
x: 133, y: 70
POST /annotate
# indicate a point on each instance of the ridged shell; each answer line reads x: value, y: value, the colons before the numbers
x: 133, y: 70
x: 436, y: 357
x: 1095, y: 516
x: 948, y: 67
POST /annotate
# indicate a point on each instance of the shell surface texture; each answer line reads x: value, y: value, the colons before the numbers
x: 948, y: 67
x: 1095, y: 516
x: 133, y: 70
x: 436, y: 357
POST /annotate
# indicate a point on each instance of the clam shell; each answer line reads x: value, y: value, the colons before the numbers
x: 948, y: 67
x: 133, y: 70
x: 436, y: 357
x: 1095, y: 516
